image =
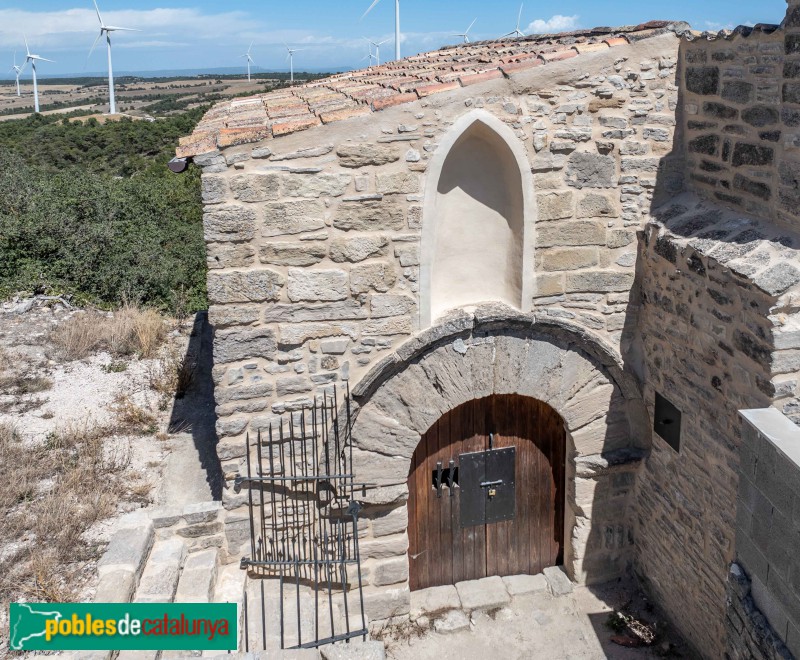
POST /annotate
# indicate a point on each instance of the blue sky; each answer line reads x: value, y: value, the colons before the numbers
x: 179, y: 34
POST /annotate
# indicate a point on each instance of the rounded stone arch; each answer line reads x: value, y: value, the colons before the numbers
x: 496, y: 140
x: 496, y: 350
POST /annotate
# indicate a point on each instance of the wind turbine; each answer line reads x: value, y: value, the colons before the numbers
x: 369, y: 55
x: 378, y: 50
x: 516, y: 32
x: 396, y: 25
x: 17, y: 69
x: 290, y: 57
x: 30, y: 57
x: 250, y: 60
x: 465, y: 33
x: 107, y: 30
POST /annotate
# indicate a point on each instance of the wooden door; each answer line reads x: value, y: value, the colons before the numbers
x: 441, y: 550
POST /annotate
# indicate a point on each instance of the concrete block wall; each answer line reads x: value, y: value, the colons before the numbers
x: 767, y: 538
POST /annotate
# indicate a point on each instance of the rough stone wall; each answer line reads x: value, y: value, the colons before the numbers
x: 766, y: 581
x: 741, y: 101
x: 314, y: 238
x: 708, y: 338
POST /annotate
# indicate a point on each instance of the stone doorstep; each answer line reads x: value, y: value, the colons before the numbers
x: 484, y: 594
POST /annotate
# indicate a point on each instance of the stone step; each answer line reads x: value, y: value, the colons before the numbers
x: 160, y: 577
x: 199, y: 575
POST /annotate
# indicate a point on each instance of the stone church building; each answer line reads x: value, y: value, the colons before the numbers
x: 575, y: 257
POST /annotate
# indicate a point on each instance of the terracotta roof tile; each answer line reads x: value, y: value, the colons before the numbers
x: 358, y: 93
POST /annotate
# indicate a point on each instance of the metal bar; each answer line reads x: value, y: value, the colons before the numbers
x: 250, y: 499
x: 333, y: 639
x: 292, y: 562
x: 263, y: 520
x: 322, y: 477
x: 263, y: 617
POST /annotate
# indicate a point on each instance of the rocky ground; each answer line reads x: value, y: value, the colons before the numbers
x: 96, y: 437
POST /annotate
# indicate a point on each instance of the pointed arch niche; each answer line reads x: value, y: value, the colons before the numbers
x: 478, y: 218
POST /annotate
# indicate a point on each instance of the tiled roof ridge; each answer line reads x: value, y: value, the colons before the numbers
x: 362, y: 92
x: 742, y: 31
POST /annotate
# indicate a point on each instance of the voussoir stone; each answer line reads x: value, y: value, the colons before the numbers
x: 256, y: 187
x: 369, y: 216
x: 229, y: 223
x: 292, y: 254
x: 235, y: 345
x: 360, y: 155
x: 484, y: 594
x: 296, y: 217
x: 317, y: 285
x: 244, y: 286
x: 318, y: 185
x: 358, y: 248
x: 384, y: 435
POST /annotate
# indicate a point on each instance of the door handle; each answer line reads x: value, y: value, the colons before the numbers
x: 491, y: 484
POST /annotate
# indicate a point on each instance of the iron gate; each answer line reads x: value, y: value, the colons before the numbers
x: 304, y: 564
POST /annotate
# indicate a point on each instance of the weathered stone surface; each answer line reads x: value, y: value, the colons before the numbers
x: 557, y: 580
x: 384, y: 547
x: 390, y: 571
x: 620, y: 238
x: 555, y: 205
x: 394, y: 521
x: 307, y: 152
x: 316, y: 185
x: 434, y: 600
x: 395, y: 325
x: 293, y: 385
x: 221, y: 316
x: 214, y: 188
x: 776, y: 279
x: 571, y: 258
x: 570, y: 233
x: 160, y: 576
x: 451, y: 622
x: 391, y: 305
x: 387, y: 604
x: 587, y: 170
x: 752, y: 154
x: 256, y: 187
x: 244, y: 286
x: 737, y: 91
x: 358, y: 248
x: 229, y: 223
x: 360, y: 155
x: 705, y: 144
x: 397, y: 183
x: 379, y: 276
x: 336, y: 311
x: 196, y: 584
x: 229, y: 255
x: 760, y: 115
x: 115, y: 586
x: 128, y: 549
x: 281, y: 218
x: 317, y: 285
x: 599, y: 281
x: 306, y: 253
x: 384, y: 435
x: 597, y: 205
x: 369, y: 216
x: 519, y: 585
x: 368, y: 650
x: 241, y: 344
x: 295, y: 334
x: 484, y: 594
x: 702, y: 79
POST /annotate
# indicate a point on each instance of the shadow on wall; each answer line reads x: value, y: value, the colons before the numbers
x: 194, y: 412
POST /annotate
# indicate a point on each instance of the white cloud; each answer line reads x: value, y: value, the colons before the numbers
x: 557, y: 23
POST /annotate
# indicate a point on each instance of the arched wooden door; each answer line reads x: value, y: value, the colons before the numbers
x: 493, y: 510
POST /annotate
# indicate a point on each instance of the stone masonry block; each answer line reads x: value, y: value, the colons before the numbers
x: 434, y: 600
x: 518, y: 585
x: 244, y: 286
x: 128, y: 549
x: 555, y: 205
x: 557, y: 580
x: 317, y: 285
x: 484, y: 594
x: 196, y: 584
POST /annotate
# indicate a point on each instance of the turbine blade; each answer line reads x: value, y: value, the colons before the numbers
x: 94, y: 45
x: 27, y: 50
x: 97, y: 9
x: 44, y: 59
x: 111, y: 28
x: 519, y: 16
x: 375, y: 2
x: 470, y: 26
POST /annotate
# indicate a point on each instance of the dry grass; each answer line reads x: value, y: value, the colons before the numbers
x: 51, y: 493
x: 171, y: 376
x: 131, y: 417
x: 130, y: 330
x: 20, y: 384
